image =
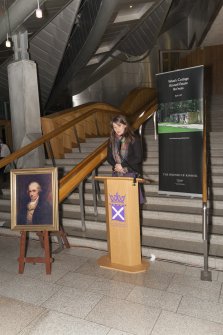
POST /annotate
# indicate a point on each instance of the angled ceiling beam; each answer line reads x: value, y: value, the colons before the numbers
x: 105, y: 12
x: 144, y: 36
x: 15, y: 15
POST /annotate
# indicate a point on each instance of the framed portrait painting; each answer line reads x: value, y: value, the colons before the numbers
x: 34, y: 199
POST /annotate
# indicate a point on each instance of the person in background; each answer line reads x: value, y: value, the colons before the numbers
x: 124, y: 149
x: 4, y: 151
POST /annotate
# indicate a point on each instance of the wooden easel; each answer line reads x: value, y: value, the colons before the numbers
x: 45, y: 244
x: 62, y: 239
x: 23, y: 259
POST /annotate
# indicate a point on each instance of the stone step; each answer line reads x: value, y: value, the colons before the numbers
x: 96, y: 139
x: 153, y: 237
x: 62, y: 162
x: 76, y: 155
x: 159, y: 253
x: 85, y: 148
x: 217, y: 189
x: 152, y: 198
x: 215, y: 169
x: 157, y: 230
x: 154, y: 212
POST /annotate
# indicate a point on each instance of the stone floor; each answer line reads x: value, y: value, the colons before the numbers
x: 80, y: 298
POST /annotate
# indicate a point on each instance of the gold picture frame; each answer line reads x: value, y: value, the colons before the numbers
x: 34, y: 199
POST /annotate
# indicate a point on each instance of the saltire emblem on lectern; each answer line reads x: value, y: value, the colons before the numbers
x: 118, y: 213
x: 117, y: 207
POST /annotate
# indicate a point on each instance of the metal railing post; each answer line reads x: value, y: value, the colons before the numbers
x: 205, y: 274
x: 96, y: 124
x: 93, y: 182
x: 81, y: 197
x: 76, y: 135
x: 49, y: 148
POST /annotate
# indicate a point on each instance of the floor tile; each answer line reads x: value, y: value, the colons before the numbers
x: 81, y: 298
x: 118, y: 332
x: 54, y: 323
x: 167, y: 267
x: 220, y: 276
x: 72, y: 262
x: 5, y: 277
x: 86, y: 252
x: 195, y: 287
x: 154, y: 279
x: 111, y: 288
x: 201, y: 309
x: 221, y: 296
x: 38, y: 271
x: 124, y: 315
x: 73, y: 301
x: 9, y: 246
x: 91, y: 267
x: 196, y: 272
x: 9, y: 264
x: 15, y: 315
x: 76, y: 280
x: 155, y: 298
x: 28, y: 290
x: 176, y: 324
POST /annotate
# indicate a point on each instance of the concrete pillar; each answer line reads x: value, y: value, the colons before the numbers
x: 25, y: 111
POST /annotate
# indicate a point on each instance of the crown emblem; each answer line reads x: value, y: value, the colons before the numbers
x: 117, y: 198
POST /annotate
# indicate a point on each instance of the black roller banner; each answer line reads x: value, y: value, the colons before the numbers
x: 180, y: 128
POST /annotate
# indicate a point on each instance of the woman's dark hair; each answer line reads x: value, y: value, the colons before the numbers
x: 128, y: 133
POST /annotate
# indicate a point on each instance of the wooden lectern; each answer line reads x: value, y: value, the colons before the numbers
x: 123, y: 225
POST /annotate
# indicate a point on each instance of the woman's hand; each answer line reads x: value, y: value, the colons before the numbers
x: 119, y: 168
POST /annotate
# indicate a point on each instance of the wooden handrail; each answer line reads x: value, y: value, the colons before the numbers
x: 45, y: 138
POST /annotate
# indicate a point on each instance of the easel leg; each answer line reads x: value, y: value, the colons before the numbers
x: 21, y: 258
x: 62, y: 240
x: 47, y: 251
x: 64, y: 237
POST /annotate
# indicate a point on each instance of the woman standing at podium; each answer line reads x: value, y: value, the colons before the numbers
x: 124, y: 149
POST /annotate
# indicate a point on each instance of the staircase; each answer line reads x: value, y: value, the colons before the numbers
x: 171, y: 225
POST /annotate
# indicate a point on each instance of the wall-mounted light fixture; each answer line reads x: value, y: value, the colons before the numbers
x: 8, y: 42
x: 39, y: 12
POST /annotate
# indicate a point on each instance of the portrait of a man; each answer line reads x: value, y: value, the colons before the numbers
x: 37, y: 211
x: 35, y: 200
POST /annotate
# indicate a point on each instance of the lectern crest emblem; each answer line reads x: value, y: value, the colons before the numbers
x: 117, y: 207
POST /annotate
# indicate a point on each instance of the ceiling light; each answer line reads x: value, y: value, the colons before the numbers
x: 8, y: 42
x: 130, y: 6
x: 39, y: 13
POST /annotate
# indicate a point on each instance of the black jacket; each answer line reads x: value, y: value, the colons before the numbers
x: 133, y: 161
x: 43, y: 214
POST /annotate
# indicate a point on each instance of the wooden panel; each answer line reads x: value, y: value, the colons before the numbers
x: 211, y: 57
x: 137, y: 98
